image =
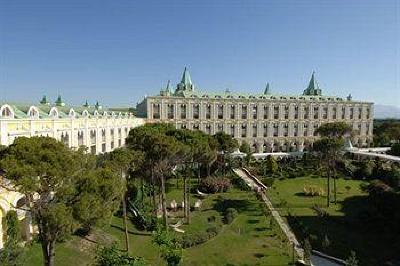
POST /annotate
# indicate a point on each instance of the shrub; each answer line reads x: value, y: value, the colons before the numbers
x: 240, y: 184
x: 112, y: 256
x: 268, y: 181
x: 214, y: 184
x: 230, y: 215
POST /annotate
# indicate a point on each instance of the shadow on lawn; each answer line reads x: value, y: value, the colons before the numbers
x: 221, y: 204
x: 356, y: 230
x: 131, y: 232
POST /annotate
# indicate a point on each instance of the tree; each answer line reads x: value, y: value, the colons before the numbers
x: 112, y: 256
x: 270, y: 165
x: 162, y: 152
x: 225, y: 144
x: 245, y: 147
x: 328, y: 149
x: 59, y: 185
x: 122, y: 160
x: 329, y: 146
x: 11, y: 254
x: 395, y: 149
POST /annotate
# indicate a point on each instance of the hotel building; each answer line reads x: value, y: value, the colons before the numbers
x: 99, y: 129
x: 268, y: 122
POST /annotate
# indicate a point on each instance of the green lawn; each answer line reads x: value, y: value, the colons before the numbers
x: 249, y: 240
x: 343, y: 226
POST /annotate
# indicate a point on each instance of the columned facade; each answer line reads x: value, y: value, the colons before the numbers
x: 268, y: 122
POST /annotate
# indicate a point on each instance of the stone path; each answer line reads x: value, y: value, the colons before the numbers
x: 254, y: 183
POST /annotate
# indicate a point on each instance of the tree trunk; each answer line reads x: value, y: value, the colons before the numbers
x: 125, y: 222
x: 334, y: 186
x: 184, y: 194
x: 329, y: 189
x: 48, y: 250
x: 153, y: 192
x: 187, y: 204
x: 198, y: 175
x: 164, y: 202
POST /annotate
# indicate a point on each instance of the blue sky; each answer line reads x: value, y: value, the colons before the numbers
x: 118, y: 51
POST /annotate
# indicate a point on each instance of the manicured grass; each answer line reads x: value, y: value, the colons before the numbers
x: 248, y: 240
x: 291, y: 192
x: 343, y: 226
x: 68, y: 253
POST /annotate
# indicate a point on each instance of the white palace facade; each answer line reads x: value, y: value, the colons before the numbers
x: 268, y: 122
x: 99, y: 129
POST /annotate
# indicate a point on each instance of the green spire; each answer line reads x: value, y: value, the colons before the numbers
x: 97, y: 105
x: 44, y: 100
x: 267, y: 91
x: 86, y: 104
x: 186, y: 80
x: 313, y: 87
x: 59, y: 101
x: 168, y: 88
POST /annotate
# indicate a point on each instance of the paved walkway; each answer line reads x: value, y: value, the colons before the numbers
x: 252, y: 182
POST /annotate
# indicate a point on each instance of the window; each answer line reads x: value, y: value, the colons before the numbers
x: 220, y: 111
x: 170, y: 111
x: 244, y: 111
x: 208, y: 129
x: 208, y: 111
x: 183, y: 111
x: 276, y: 112
x: 220, y: 127
x: 156, y: 111
x: 254, y: 130
x: 232, y: 112
x: 6, y: 112
x: 254, y: 111
x: 359, y: 113
x: 196, y: 127
x: 343, y: 112
x: 276, y: 130
x: 325, y: 113
x: 265, y: 131
x: 296, y: 112
x: 306, y: 114
x: 316, y: 110
x: 286, y: 112
x: 80, y: 138
x: 351, y: 113
x: 285, y: 130
x: 244, y: 131
x: 334, y: 113
x: 196, y: 111
x: 33, y: 113
x: 233, y: 130
x: 266, y: 111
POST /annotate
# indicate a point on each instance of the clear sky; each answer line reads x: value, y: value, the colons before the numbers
x: 118, y: 51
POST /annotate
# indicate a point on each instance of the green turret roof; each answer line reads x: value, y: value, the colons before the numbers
x: 44, y: 100
x: 168, y: 89
x: 59, y: 101
x: 266, y: 91
x: 313, y: 87
x: 186, y: 77
x: 86, y: 104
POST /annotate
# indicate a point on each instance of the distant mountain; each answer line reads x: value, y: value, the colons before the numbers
x: 386, y: 111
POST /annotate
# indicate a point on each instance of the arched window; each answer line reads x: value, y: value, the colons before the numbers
x: 33, y: 112
x: 71, y: 113
x: 53, y: 112
x: 6, y: 112
x: 85, y: 113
